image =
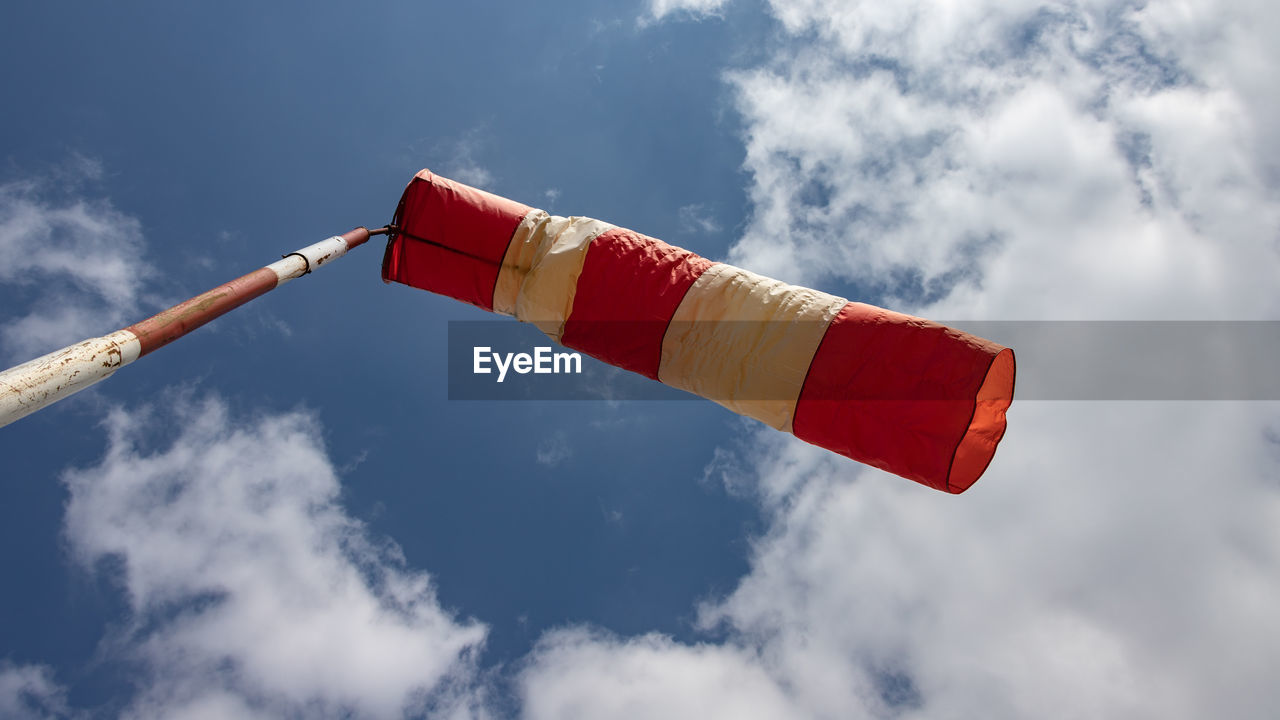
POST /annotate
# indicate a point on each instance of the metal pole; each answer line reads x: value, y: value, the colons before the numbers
x: 33, y: 385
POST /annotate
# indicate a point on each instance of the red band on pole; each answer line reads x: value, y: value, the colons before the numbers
x: 357, y: 237
x: 165, y: 327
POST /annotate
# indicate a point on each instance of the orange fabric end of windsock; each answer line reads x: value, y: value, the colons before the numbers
x: 897, y: 392
x: 907, y: 395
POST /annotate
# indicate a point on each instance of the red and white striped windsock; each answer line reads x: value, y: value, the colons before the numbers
x: 903, y: 394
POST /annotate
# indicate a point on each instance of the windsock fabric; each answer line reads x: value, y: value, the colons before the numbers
x: 901, y: 393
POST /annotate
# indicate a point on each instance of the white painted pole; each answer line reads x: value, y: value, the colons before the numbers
x: 41, y: 382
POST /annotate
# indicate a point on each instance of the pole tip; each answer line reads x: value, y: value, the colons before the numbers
x: 356, y: 237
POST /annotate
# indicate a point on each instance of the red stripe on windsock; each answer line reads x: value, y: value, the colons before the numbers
x: 629, y: 288
x: 907, y: 395
x: 451, y: 238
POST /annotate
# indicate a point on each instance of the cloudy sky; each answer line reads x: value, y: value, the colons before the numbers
x: 285, y: 516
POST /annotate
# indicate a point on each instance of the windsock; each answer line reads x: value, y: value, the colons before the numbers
x: 897, y: 392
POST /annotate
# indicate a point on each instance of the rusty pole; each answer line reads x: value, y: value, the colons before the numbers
x: 33, y: 385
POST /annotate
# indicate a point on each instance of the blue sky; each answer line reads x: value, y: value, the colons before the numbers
x: 283, y: 515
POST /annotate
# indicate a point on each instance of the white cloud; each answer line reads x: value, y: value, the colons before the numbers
x: 1120, y: 559
x: 29, y: 692
x: 1002, y: 159
x: 470, y: 173
x: 1110, y: 560
x: 252, y: 592
x: 553, y: 450
x: 660, y: 9
x: 696, y: 218
x: 579, y: 674
x: 463, y: 166
x: 1000, y: 156
x: 75, y: 268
